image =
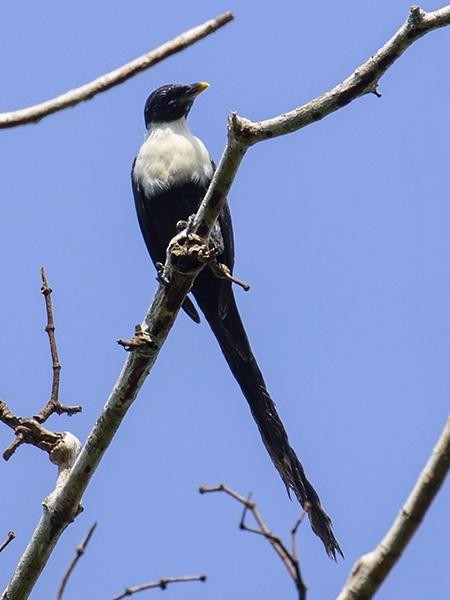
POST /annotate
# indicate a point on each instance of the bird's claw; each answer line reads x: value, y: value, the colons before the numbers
x: 161, y: 275
x: 186, y: 225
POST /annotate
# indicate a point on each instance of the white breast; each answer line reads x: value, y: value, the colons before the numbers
x: 171, y: 155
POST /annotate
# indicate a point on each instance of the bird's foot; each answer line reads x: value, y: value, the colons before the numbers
x: 207, y: 253
x: 189, y: 246
x: 161, y: 274
x: 181, y: 226
x: 186, y: 225
x: 223, y: 272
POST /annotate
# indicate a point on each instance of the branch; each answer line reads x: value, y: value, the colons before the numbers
x: 31, y: 430
x: 85, y: 92
x: 363, y: 80
x: 161, y: 584
x: 289, y: 559
x: 80, y: 550
x: 9, y: 538
x: 53, y: 405
x: 184, y: 264
x: 243, y: 133
x: 369, y: 572
x: 27, y: 431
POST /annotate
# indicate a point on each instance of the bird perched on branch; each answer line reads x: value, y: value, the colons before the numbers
x: 170, y: 176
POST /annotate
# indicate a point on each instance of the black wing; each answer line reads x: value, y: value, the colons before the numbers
x: 156, y: 246
x: 226, y: 229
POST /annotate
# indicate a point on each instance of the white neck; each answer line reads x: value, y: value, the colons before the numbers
x: 179, y: 126
x: 171, y: 156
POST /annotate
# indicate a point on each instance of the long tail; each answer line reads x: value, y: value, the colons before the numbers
x: 235, y: 346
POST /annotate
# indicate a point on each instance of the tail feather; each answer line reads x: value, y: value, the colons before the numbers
x: 235, y: 346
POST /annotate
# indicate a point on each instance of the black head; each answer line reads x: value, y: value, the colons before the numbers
x: 171, y: 102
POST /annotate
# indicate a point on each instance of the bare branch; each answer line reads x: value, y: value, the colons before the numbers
x: 363, y: 80
x: 161, y: 584
x: 183, y: 265
x: 31, y: 430
x: 289, y: 559
x: 294, y: 534
x: 243, y: 133
x: 35, y: 113
x: 80, y: 550
x: 369, y: 572
x: 53, y: 405
x: 27, y: 431
x: 9, y: 538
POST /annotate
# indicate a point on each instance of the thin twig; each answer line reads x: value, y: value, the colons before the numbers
x: 161, y: 584
x: 53, y: 405
x: 35, y: 113
x: 9, y: 538
x: 31, y: 430
x: 294, y: 534
x: 369, y: 571
x: 289, y: 559
x: 169, y: 298
x: 80, y: 550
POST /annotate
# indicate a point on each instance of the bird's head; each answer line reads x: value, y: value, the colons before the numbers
x: 171, y: 102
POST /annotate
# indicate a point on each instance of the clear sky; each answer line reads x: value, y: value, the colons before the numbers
x: 342, y: 231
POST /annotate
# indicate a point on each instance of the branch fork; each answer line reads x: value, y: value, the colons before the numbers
x: 31, y: 430
x: 288, y: 557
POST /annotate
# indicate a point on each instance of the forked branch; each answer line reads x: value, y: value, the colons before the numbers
x: 31, y: 430
x: 288, y: 557
x: 62, y: 447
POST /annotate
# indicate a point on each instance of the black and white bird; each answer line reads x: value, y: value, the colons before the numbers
x: 170, y: 176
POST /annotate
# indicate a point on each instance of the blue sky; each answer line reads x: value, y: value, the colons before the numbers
x: 342, y: 231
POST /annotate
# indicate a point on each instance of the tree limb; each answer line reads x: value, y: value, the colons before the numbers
x: 31, y: 430
x: 80, y: 550
x: 85, y: 92
x: 369, y: 571
x: 161, y: 584
x: 183, y: 265
x: 243, y: 133
x: 363, y: 80
x: 288, y: 558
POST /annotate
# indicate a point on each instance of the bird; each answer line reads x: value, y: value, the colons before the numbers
x: 170, y: 176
